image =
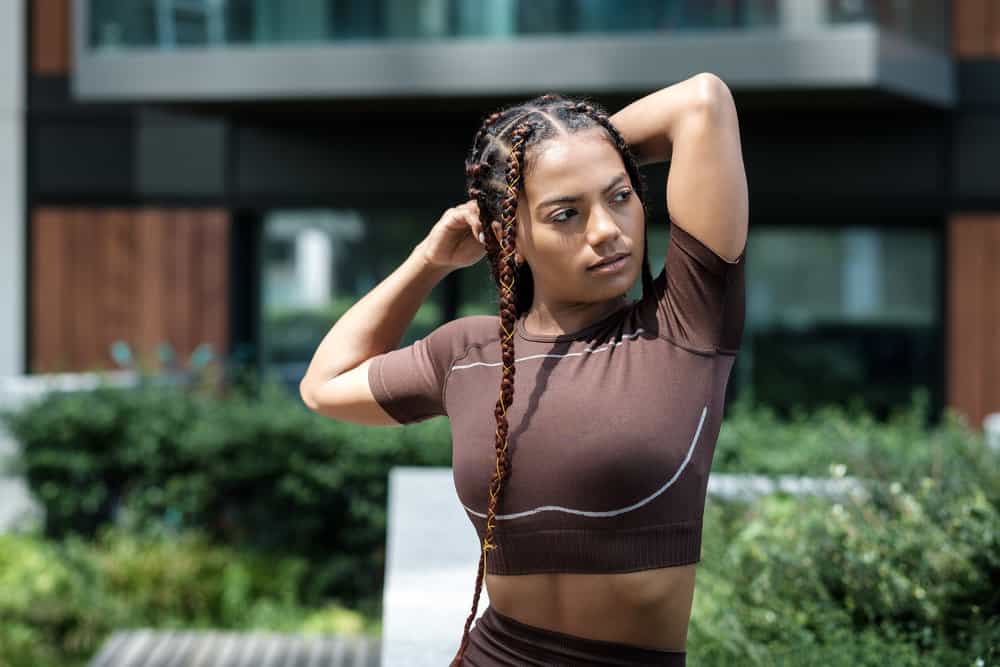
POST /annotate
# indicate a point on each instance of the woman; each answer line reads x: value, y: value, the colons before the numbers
x: 590, y: 542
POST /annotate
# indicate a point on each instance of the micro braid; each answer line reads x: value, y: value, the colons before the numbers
x: 508, y: 316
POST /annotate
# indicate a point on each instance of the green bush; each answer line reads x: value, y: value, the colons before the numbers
x: 902, y: 448
x: 59, y: 600
x: 910, y: 572
x: 252, y: 469
x: 789, y: 580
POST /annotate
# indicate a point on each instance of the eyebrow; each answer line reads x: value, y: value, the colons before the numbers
x: 568, y: 199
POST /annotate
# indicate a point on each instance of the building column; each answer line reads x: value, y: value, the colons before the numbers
x: 974, y: 315
x: 12, y: 219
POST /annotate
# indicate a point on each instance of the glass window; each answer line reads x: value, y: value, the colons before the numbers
x: 180, y: 23
x: 841, y: 316
x: 319, y: 263
x: 479, y: 294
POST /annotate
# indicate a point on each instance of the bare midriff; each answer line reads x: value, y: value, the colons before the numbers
x: 649, y: 608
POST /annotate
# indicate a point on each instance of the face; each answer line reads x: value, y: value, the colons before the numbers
x: 577, y: 207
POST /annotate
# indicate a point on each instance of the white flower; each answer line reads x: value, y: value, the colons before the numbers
x: 838, y: 469
x: 895, y: 487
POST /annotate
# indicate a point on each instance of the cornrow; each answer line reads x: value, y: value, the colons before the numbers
x: 510, y: 132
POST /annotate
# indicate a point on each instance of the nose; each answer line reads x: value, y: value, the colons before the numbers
x: 602, y: 228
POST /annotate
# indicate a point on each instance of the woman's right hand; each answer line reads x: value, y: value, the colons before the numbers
x: 454, y: 240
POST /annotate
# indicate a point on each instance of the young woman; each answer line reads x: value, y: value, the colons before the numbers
x: 586, y: 478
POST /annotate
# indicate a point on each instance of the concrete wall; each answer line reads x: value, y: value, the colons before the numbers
x: 12, y: 243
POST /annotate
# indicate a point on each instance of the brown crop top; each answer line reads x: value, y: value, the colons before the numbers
x: 612, y: 427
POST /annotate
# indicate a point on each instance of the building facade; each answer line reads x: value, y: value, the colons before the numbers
x: 233, y: 175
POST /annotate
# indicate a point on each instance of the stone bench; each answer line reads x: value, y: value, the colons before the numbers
x: 160, y: 648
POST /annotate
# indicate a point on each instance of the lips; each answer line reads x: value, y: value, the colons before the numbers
x: 609, y: 260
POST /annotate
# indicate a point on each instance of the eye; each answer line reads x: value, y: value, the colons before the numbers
x: 556, y: 218
x: 625, y: 192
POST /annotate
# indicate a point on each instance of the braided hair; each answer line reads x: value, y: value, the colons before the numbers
x: 504, y: 138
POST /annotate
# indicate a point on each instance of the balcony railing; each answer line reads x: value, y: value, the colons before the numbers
x: 187, y: 24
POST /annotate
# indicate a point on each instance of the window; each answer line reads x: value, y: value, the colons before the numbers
x: 841, y: 316
x: 480, y: 295
x: 319, y: 263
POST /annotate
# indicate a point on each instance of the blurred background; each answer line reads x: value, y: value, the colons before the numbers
x: 192, y: 180
x: 240, y: 172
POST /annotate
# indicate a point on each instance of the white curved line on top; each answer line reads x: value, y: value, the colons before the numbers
x: 644, y: 501
x: 568, y: 354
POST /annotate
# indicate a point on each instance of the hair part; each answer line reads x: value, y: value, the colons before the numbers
x: 505, y: 138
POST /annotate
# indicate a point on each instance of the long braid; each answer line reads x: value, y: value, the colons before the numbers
x: 515, y: 283
x: 508, y: 315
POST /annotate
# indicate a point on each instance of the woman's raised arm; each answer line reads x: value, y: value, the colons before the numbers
x: 695, y: 124
x: 376, y: 323
x: 649, y: 124
x: 373, y: 325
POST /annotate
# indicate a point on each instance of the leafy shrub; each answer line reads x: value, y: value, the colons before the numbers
x: 252, y: 469
x: 910, y: 572
x: 60, y: 600
x: 902, y: 448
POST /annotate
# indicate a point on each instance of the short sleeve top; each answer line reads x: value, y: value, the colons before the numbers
x: 612, y: 428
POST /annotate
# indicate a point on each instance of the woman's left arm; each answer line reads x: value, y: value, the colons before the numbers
x: 694, y: 124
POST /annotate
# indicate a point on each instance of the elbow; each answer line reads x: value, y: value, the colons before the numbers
x: 713, y: 94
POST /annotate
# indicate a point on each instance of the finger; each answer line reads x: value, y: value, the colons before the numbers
x: 476, y: 227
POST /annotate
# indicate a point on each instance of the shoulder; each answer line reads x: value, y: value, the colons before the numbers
x: 454, y: 338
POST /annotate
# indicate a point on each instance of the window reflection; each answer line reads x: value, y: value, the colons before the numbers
x: 835, y: 316
x: 319, y: 263
x: 177, y: 23
x: 841, y: 315
x: 481, y: 297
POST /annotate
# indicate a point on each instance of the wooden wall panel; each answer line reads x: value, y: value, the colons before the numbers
x: 991, y: 355
x: 117, y: 291
x: 213, y: 283
x: 993, y: 30
x: 49, y: 303
x: 83, y: 288
x: 51, y: 34
x: 144, y: 277
x: 974, y: 316
x: 976, y: 28
x: 151, y: 237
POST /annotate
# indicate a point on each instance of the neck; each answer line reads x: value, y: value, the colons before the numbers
x: 556, y: 320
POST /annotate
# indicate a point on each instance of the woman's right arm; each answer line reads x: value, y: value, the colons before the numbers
x: 336, y: 382
x: 373, y: 325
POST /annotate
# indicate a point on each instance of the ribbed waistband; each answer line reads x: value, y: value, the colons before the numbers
x: 497, y: 640
x: 598, y: 551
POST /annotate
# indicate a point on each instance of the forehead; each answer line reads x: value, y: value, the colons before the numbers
x: 572, y: 164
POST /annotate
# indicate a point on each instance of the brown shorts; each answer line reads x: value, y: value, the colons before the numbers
x: 500, y: 641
